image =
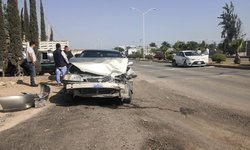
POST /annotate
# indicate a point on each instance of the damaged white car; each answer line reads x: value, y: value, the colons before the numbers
x: 100, y: 73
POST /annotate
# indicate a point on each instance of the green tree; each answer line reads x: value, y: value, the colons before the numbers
x: 203, y: 45
x: 26, y: 29
x: 34, y: 34
x: 165, y: 46
x: 22, y: 23
x: 51, y: 35
x: 192, y: 45
x: 231, y: 28
x: 179, y: 45
x: 3, y: 48
x: 43, y: 28
x: 152, y: 44
x: 6, y: 26
x: 119, y: 49
x: 212, y: 46
x: 15, y: 33
x: 237, y: 45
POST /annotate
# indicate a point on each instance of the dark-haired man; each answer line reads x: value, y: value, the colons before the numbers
x: 68, y: 52
x: 61, y: 62
x: 31, y: 59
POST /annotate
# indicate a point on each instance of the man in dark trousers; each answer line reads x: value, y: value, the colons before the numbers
x: 31, y: 59
x: 61, y: 62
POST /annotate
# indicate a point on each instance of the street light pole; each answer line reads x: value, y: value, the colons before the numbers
x: 143, y: 26
x: 246, y: 47
x: 143, y: 35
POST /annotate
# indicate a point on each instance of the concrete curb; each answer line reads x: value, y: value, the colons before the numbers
x: 228, y: 66
x: 214, y: 65
x: 149, y: 60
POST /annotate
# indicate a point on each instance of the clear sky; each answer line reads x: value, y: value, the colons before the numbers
x: 92, y: 23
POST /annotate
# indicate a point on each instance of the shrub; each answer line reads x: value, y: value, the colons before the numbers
x: 169, y: 56
x: 149, y: 56
x: 135, y: 55
x: 159, y: 55
x: 218, y: 57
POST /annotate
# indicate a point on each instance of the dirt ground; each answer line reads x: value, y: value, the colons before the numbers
x: 158, y: 118
x: 14, y: 86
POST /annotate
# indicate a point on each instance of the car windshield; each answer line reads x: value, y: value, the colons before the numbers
x: 191, y: 53
x: 93, y: 53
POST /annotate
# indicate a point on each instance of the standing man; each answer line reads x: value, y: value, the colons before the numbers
x: 61, y: 62
x: 68, y: 52
x: 31, y: 59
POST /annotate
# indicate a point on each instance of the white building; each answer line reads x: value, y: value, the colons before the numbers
x: 131, y: 49
x: 51, y: 45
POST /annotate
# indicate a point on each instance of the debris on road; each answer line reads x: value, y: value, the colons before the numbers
x: 24, y: 101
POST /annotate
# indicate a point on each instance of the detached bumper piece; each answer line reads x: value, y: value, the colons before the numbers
x: 25, y: 101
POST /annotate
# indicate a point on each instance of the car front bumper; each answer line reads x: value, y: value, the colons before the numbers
x: 25, y: 101
x: 95, y: 89
x: 196, y: 63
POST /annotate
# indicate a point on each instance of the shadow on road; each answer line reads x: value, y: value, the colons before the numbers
x: 63, y: 100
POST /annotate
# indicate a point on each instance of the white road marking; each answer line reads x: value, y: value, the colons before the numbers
x: 171, y: 69
x: 145, y: 65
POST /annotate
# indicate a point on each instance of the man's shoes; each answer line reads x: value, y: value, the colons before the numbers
x: 59, y: 84
x: 33, y: 85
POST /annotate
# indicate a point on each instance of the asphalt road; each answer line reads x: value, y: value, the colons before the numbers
x: 223, y: 86
x: 172, y: 108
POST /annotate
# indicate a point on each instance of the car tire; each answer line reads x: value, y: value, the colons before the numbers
x: 185, y: 63
x: 68, y: 97
x: 128, y: 100
x: 174, y: 64
x: 41, y: 73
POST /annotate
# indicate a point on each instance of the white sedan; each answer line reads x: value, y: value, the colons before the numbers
x: 190, y: 58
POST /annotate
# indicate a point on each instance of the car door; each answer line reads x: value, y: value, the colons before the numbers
x: 177, y: 58
x: 182, y: 58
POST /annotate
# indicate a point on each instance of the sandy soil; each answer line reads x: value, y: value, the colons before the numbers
x: 11, y: 86
x: 158, y: 118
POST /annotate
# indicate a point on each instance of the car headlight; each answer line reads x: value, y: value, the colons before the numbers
x: 73, y: 77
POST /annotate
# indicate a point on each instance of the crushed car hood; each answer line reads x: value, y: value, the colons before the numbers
x: 102, y: 66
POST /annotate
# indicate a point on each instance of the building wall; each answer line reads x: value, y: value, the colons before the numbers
x: 51, y: 45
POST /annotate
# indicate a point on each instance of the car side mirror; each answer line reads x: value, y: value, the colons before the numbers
x: 77, y: 55
x: 130, y: 63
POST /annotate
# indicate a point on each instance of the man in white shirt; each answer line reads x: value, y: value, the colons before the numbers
x: 31, y: 59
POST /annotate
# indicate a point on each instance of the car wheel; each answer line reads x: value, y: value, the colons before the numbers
x: 41, y: 73
x: 128, y: 100
x: 185, y: 63
x: 68, y: 97
x: 174, y: 64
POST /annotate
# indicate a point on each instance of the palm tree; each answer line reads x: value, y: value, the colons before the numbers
x: 236, y: 46
x: 231, y: 31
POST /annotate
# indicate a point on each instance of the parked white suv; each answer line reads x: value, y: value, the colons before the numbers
x: 190, y: 58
